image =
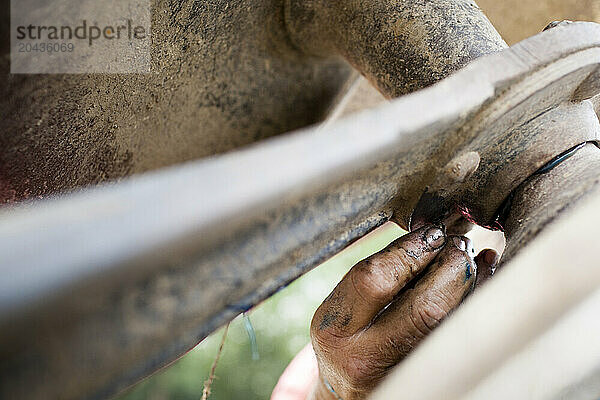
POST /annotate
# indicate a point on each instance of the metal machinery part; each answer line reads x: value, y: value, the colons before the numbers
x: 400, y: 46
x: 536, y: 202
x: 128, y: 276
x: 201, y: 100
x: 224, y: 74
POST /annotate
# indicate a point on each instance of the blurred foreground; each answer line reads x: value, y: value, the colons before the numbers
x: 281, y: 325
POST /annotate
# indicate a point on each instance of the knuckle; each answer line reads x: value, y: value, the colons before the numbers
x: 428, y: 313
x: 316, y: 322
x: 329, y: 336
x: 319, y: 342
x: 381, y: 276
x: 334, y: 315
x: 397, y: 347
x: 359, y: 370
x: 363, y: 370
x: 374, y: 282
x: 323, y: 341
x: 409, y: 260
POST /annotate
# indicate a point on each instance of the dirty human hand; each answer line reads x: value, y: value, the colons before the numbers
x: 387, y: 304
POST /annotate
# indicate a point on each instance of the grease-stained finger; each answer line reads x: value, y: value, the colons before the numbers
x: 418, y: 310
x: 372, y: 283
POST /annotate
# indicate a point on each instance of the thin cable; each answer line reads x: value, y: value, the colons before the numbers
x: 211, y: 377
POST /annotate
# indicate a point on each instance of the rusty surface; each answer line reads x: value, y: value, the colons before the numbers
x: 400, y: 46
x: 510, y: 160
x: 201, y: 100
x: 544, y: 197
x: 224, y: 74
x: 531, y: 18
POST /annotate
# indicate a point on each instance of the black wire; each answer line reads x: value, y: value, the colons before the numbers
x: 550, y: 165
x: 504, y: 210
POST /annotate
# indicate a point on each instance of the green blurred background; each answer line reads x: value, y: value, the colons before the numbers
x: 281, y: 325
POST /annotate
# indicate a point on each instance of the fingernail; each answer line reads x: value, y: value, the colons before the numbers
x: 435, y: 237
x: 459, y: 243
x: 469, y: 243
x: 491, y: 258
